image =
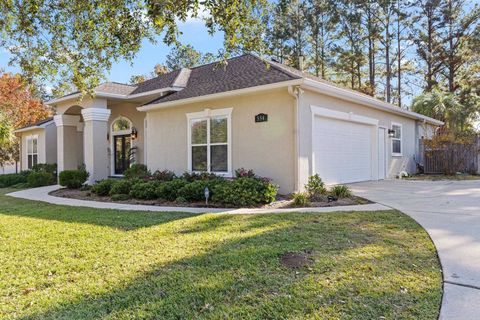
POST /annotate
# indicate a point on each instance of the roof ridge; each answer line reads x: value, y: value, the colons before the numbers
x: 277, y: 66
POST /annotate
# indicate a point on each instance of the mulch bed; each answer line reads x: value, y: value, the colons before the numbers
x: 282, y: 202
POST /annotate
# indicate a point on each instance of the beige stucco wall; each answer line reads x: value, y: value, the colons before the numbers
x: 267, y: 147
x: 51, y: 143
x: 395, y: 164
x: 128, y: 110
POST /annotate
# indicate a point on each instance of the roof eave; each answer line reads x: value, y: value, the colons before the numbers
x: 42, y: 126
x: 107, y: 95
x: 219, y: 95
x: 365, y: 100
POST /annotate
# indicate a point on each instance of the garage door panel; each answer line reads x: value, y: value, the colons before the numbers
x: 343, y: 150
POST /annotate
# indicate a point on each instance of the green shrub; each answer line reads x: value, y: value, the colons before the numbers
x: 102, y: 188
x: 193, y: 191
x: 301, y: 199
x: 122, y: 187
x: 244, y: 173
x: 195, y: 176
x: 181, y: 200
x: 245, y: 192
x: 120, y: 197
x: 169, y: 190
x: 137, y: 171
x: 341, y: 191
x: 315, y: 187
x: 165, y: 175
x: 40, y: 179
x: 45, y: 167
x: 73, y: 179
x: 9, y: 180
x: 144, y: 190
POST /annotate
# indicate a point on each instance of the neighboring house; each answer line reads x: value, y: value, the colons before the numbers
x: 8, y: 168
x: 251, y: 113
x: 38, y: 143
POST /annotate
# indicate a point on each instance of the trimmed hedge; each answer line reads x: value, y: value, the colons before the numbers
x: 169, y: 190
x: 73, y: 179
x: 11, y: 179
x: 40, y: 179
x: 245, y: 192
x: 122, y: 187
x: 102, y: 188
x: 144, y: 190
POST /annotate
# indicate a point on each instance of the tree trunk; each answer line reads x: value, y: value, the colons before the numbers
x: 388, y: 86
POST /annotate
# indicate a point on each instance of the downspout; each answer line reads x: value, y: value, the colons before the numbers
x: 295, y: 92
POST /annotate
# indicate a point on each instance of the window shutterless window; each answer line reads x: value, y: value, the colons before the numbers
x: 209, y: 141
x: 32, y: 151
x: 397, y: 139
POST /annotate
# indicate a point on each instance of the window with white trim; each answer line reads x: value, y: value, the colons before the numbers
x: 397, y: 139
x: 32, y: 151
x: 209, y: 141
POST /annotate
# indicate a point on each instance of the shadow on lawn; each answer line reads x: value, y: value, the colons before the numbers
x: 242, y: 278
x: 118, y: 219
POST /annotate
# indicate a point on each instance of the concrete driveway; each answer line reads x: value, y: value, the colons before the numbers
x: 450, y: 212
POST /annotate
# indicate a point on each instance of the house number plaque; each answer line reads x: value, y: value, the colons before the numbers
x: 261, y: 117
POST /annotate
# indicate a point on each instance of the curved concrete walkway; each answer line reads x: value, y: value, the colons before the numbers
x: 42, y: 194
x: 450, y: 212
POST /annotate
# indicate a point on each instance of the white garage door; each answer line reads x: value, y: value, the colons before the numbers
x: 342, y: 150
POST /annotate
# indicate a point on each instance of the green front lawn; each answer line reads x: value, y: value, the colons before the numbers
x: 78, y: 263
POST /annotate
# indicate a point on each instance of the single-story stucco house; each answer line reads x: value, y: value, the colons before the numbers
x: 249, y: 112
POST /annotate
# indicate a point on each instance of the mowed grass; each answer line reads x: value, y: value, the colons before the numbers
x: 61, y: 262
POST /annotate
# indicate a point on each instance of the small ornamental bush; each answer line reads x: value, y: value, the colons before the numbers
x: 193, y: 191
x: 12, y: 179
x: 245, y: 192
x: 102, y: 188
x: 40, y: 179
x: 315, y: 187
x: 194, y: 176
x: 137, y: 171
x: 46, y: 167
x: 244, y: 173
x: 121, y: 187
x: 144, y: 190
x: 341, y: 191
x: 169, y: 190
x: 73, y: 179
x: 301, y: 199
x: 165, y: 175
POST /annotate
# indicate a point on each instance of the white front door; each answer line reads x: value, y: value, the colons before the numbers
x: 342, y: 150
x: 382, y: 159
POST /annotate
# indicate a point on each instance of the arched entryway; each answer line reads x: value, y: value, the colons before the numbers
x: 121, y: 145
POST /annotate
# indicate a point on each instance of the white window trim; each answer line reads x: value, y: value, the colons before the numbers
x: 397, y: 154
x: 207, y: 114
x: 31, y: 138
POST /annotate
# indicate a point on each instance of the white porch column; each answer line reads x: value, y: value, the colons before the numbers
x: 67, y: 142
x: 95, y: 142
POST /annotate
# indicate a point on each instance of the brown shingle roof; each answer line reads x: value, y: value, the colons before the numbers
x: 160, y: 82
x: 241, y: 72
x: 116, y: 88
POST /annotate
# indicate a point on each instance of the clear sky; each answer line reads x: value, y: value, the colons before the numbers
x: 194, y: 33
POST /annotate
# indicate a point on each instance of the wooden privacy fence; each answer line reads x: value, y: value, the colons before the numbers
x: 450, y: 157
